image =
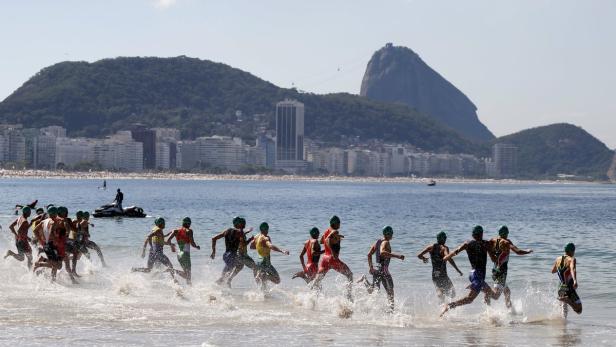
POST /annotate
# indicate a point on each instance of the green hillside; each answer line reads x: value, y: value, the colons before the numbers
x: 201, y: 98
x: 560, y: 148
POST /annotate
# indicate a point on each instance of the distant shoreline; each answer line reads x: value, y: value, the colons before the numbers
x: 106, y: 175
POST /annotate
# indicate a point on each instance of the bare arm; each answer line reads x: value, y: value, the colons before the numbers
x: 460, y: 248
x: 192, y: 240
x: 214, y: 239
x: 573, y: 267
x: 273, y: 247
x: 387, y: 253
x: 328, y: 241
x: 12, y: 227
x: 148, y: 240
x: 370, y: 253
x: 452, y: 262
x: 301, y: 258
x: 171, y: 235
x: 518, y: 251
x: 555, y: 266
x: 421, y: 255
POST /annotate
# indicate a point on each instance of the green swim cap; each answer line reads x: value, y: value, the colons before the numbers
x: 86, y: 215
x: 570, y: 248
x: 186, y: 220
x: 387, y: 230
x: 243, y: 221
x: 264, y: 226
x: 159, y: 221
x: 441, y: 238
x: 314, y: 232
x: 40, y: 210
x: 477, y: 230
x: 237, y: 220
x: 79, y: 214
x: 26, y: 210
x: 52, y: 211
x: 503, y: 231
x: 62, y: 211
x: 334, y: 220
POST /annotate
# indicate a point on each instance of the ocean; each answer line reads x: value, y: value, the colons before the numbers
x: 114, y: 307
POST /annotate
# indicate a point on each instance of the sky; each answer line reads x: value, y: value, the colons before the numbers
x: 524, y: 63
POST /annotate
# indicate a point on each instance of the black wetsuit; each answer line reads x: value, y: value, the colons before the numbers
x: 439, y: 270
x: 477, y: 252
x: 382, y: 274
x: 232, y: 244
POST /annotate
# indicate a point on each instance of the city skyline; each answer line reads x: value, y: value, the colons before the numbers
x: 524, y: 64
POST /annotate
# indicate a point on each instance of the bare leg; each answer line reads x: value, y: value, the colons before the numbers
x: 18, y: 256
x: 95, y: 247
x: 464, y: 301
x: 507, y: 293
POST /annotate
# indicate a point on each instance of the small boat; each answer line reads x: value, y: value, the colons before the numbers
x: 111, y: 210
x: 432, y: 183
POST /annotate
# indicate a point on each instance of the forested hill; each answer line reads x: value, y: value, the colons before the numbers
x: 560, y: 148
x: 201, y: 97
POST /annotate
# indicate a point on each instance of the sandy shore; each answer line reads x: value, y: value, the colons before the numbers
x: 105, y: 175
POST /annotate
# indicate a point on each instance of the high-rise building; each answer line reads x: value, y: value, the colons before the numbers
x: 148, y: 138
x: 268, y: 145
x: 222, y: 152
x: 162, y: 156
x: 290, y: 136
x: 45, y: 152
x: 167, y: 134
x: 73, y: 151
x: 187, y: 155
x: 505, y: 158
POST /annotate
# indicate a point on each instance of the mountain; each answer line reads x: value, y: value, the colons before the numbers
x: 560, y: 148
x: 201, y: 97
x: 397, y: 74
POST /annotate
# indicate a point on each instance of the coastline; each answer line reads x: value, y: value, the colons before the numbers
x: 106, y: 175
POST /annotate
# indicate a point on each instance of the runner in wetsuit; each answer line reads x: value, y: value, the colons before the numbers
x: 156, y: 240
x: 184, y: 236
x: 89, y: 244
x: 21, y: 237
x: 330, y: 260
x: 263, y: 244
x: 40, y: 216
x: 76, y: 244
x: 52, y: 236
x: 64, y: 225
x: 312, y: 250
x: 477, y: 251
x: 232, y: 238
x: 382, y: 249
x: 501, y: 248
x: 242, y: 253
x: 441, y: 280
x: 566, y: 268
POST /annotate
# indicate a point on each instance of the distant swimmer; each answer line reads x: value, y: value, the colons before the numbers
x: 566, y: 268
x: 330, y: 260
x: 312, y: 250
x: 263, y: 244
x: 184, y: 237
x: 501, y: 248
x: 438, y: 252
x: 89, y: 244
x: 233, y: 237
x: 21, y: 237
x: 477, y: 251
x: 381, y: 275
x: 156, y: 241
x: 105, y: 184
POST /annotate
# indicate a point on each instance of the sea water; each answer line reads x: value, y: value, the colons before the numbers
x: 112, y: 306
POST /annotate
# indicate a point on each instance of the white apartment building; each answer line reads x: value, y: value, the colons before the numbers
x: 72, y: 151
x: 222, y: 152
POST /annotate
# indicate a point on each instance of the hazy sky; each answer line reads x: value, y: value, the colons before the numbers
x: 523, y: 63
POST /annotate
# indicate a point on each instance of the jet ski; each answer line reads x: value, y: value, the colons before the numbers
x: 432, y: 183
x: 111, y: 210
